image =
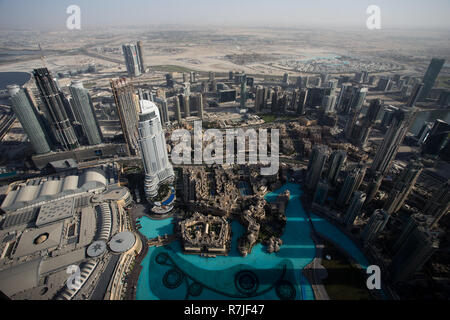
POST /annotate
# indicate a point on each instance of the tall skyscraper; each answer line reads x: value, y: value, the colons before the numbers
x: 83, y: 106
x: 409, y: 226
x: 376, y: 224
x: 163, y: 110
x: 416, y: 250
x: 354, y: 208
x: 140, y: 50
x: 260, y: 98
x: 302, y: 98
x: 152, y: 142
x: 29, y: 119
x: 177, y: 109
x: 430, y: 77
x: 352, y: 182
x: 337, y: 162
x: 415, y: 94
x: 439, y: 204
x: 316, y: 164
x: 55, y: 106
x: 387, y: 151
x: 403, y: 187
x: 438, y: 138
x: 132, y: 60
x: 127, y: 108
x: 320, y: 196
x: 244, y: 92
x: 373, y: 187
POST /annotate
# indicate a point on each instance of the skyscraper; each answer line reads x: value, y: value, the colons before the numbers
x: 260, y: 98
x: 127, y: 104
x: 316, y: 164
x: 387, y: 151
x: 438, y: 139
x: 351, y: 184
x: 337, y: 162
x: 29, y: 119
x: 55, y: 109
x: 83, y: 106
x: 177, y: 109
x: 158, y: 169
x: 403, y: 187
x: 439, y: 204
x: 132, y: 60
x: 430, y: 77
x: 244, y: 92
x: 376, y: 224
x: 321, y: 192
x: 415, y: 94
x: 302, y: 98
x: 411, y: 223
x: 354, y: 208
x: 416, y: 250
x: 141, y: 56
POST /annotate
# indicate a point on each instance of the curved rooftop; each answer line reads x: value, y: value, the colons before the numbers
x: 96, y: 249
x: 122, y: 242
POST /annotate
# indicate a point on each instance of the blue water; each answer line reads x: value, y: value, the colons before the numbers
x: 169, y: 274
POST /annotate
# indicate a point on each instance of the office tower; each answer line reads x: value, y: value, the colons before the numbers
x: 84, y: 108
x: 337, y: 161
x: 286, y: 78
x: 365, y: 77
x: 387, y: 151
x: 358, y: 77
x: 196, y: 104
x: 244, y: 92
x: 358, y: 98
x: 373, y: 111
x: 324, y: 77
x: 383, y: 84
x: 439, y: 204
x: 351, y: 121
x: 184, y: 77
x: 344, y: 98
x: 55, y: 109
x: 376, y: 224
x: 321, y: 192
x: 403, y: 187
x: 299, y: 82
x: 351, y: 183
x: 302, y: 98
x: 29, y: 119
x: 316, y: 164
x: 192, y: 77
x: 185, y: 105
x: 411, y: 223
x: 282, y: 104
x: 152, y: 142
x: 424, y: 133
x: 430, y: 77
x: 444, y: 99
x: 260, y: 98
x: 355, y: 207
x: 132, y: 60
x: 415, y: 94
x: 169, y: 80
x: 212, y: 76
x: 373, y: 187
x: 438, y: 139
x: 177, y: 109
x: 328, y: 104
x: 416, y: 250
x: 230, y: 75
x: 127, y: 109
x: 307, y: 80
x: 140, y: 51
x: 161, y: 103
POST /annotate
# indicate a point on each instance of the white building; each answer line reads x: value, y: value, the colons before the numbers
x: 152, y: 142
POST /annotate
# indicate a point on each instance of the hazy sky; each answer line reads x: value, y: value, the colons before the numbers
x: 37, y: 14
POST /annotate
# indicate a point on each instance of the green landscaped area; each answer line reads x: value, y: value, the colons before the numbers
x: 171, y: 68
x: 269, y: 118
x: 345, y: 281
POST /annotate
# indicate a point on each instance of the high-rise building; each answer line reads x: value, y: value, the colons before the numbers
x: 416, y: 250
x: 351, y: 183
x: 132, y: 60
x: 163, y: 110
x: 415, y: 94
x: 430, y: 77
x: 403, y: 187
x: 302, y: 98
x: 438, y: 139
x: 387, y: 151
x: 192, y: 77
x: 376, y: 224
x: 373, y: 111
x: 29, y: 119
x: 337, y: 161
x: 177, y: 109
x: 260, y: 98
x: 152, y: 142
x: 55, y: 109
x: 141, y: 56
x: 244, y: 92
x: 320, y: 196
x: 373, y: 187
x: 411, y: 223
x: 127, y: 108
x: 354, y: 208
x: 83, y: 106
x: 316, y: 165
x: 439, y: 204
x: 286, y: 78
